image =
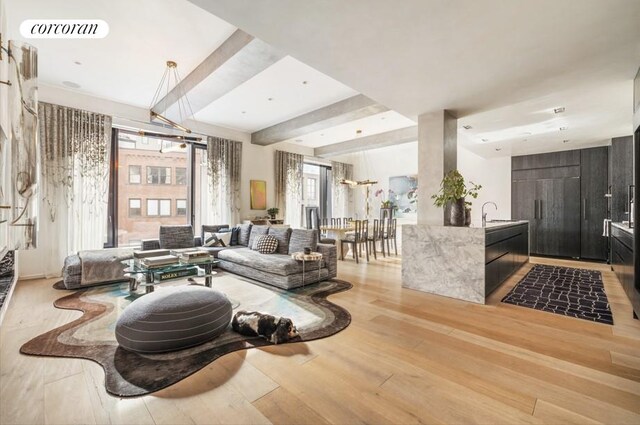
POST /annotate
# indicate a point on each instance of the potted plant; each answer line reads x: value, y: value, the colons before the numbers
x: 273, y: 212
x: 385, y: 202
x: 453, y: 191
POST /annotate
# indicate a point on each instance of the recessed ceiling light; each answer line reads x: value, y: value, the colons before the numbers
x: 244, y: 112
x: 485, y: 140
x: 305, y: 82
x: 322, y: 134
x: 71, y: 84
x: 299, y: 140
x: 270, y: 99
x: 558, y: 110
x: 77, y: 62
x: 383, y: 118
x: 467, y: 127
x: 564, y: 128
x: 566, y: 141
x: 358, y: 131
x: 498, y: 149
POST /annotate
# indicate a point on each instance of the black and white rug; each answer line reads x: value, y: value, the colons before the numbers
x: 563, y: 290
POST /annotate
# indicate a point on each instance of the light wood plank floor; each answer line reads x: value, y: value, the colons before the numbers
x: 407, y: 357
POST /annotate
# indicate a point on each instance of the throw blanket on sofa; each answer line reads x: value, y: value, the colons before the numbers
x: 103, y: 265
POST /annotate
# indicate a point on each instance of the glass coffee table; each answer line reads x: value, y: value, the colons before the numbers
x: 140, y: 275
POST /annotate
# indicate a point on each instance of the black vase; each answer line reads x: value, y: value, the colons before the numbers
x: 457, y: 216
x: 467, y: 216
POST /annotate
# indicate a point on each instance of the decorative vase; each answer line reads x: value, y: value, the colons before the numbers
x: 272, y: 216
x: 457, y: 216
x: 467, y: 217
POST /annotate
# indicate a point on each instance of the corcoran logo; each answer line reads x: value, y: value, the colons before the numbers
x: 64, y: 28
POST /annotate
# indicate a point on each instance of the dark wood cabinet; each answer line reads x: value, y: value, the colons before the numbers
x: 506, y: 250
x: 562, y: 195
x: 593, y: 208
x: 621, y: 177
x: 622, y: 264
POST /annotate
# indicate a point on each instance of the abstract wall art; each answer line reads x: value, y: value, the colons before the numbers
x: 258, y: 191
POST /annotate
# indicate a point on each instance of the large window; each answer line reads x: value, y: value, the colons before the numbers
x: 159, y: 207
x: 135, y: 207
x: 311, y: 188
x: 135, y: 174
x: 158, y: 175
x: 150, y: 190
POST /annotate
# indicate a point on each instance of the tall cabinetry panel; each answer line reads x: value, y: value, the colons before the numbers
x: 593, y: 207
x: 621, y: 177
x: 548, y: 189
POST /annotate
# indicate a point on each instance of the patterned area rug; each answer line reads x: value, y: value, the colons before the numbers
x: 129, y: 374
x: 563, y: 290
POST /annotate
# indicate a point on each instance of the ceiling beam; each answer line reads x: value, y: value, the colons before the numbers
x: 341, y: 112
x: 375, y: 141
x: 239, y: 58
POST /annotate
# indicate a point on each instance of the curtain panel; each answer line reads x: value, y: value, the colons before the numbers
x: 342, y: 196
x: 224, y: 169
x: 74, y: 154
x: 288, y: 186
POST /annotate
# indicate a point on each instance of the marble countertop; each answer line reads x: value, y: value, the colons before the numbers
x: 622, y: 226
x: 499, y: 224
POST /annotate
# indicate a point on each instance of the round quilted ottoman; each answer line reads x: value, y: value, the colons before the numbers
x: 173, y: 319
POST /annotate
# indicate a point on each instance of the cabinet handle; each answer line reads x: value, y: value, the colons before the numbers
x: 584, y: 209
x: 535, y: 209
x: 540, y: 206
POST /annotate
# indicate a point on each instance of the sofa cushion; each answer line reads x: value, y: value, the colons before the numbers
x: 282, y: 265
x: 235, y: 236
x: 266, y: 244
x: 214, y: 250
x: 283, y: 235
x: 173, y: 237
x: 255, y: 232
x: 301, y: 239
x: 245, y: 232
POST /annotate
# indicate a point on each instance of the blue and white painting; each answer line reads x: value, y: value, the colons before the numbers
x: 403, y: 192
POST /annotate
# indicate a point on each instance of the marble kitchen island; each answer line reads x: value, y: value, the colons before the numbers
x: 465, y: 263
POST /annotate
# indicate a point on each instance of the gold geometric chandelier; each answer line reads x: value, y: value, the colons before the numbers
x: 173, y: 94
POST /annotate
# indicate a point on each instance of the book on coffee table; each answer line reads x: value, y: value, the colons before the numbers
x: 150, y: 253
x: 160, y: 261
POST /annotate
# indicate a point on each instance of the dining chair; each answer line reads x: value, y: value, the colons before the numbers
x: 377, y: 235
x: 322, y: 237
x: 357, y: 239
x: 391, y: 235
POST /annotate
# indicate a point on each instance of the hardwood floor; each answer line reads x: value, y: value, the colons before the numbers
x: 407, y: 357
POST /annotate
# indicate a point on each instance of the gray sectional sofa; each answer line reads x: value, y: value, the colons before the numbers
x: 277, y: 269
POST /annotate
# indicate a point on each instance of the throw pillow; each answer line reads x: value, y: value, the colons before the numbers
x: 235, y: 236
x: 266, y: 244
x: 217, y: 239
x: 245, y: 232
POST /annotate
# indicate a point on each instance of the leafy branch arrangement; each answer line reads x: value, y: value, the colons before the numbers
x: 453, y: 188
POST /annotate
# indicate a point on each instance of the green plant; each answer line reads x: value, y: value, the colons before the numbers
x: 273, y: 211
x: 453, y: 188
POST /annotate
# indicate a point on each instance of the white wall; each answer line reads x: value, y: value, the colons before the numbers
x: 379, y: 164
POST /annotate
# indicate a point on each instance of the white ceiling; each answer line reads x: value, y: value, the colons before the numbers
x: 500, y: 66
x: 128, y: 64
x: 467, y: 56
x: 283, y: 84
x: 373, y: 124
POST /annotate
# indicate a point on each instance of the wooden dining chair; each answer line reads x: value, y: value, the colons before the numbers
x: 357, y: 239
x: 391, y: 234
x: 377, y: 235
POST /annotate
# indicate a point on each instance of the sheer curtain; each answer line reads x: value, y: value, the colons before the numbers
x: 224, y: 158
x: 342, y: 196
x: 288, y: 187
x: 75, y: 148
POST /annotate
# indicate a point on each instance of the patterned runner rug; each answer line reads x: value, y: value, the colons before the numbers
x: 563, y: 290
x: 130, y: 374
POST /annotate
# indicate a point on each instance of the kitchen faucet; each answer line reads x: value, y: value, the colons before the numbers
x: 484, y: 214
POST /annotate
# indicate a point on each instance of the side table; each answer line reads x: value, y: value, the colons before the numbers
x: 314, y: 256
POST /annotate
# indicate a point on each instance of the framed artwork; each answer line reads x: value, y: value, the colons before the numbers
x: 258, y: 193
x: 403, y: 191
